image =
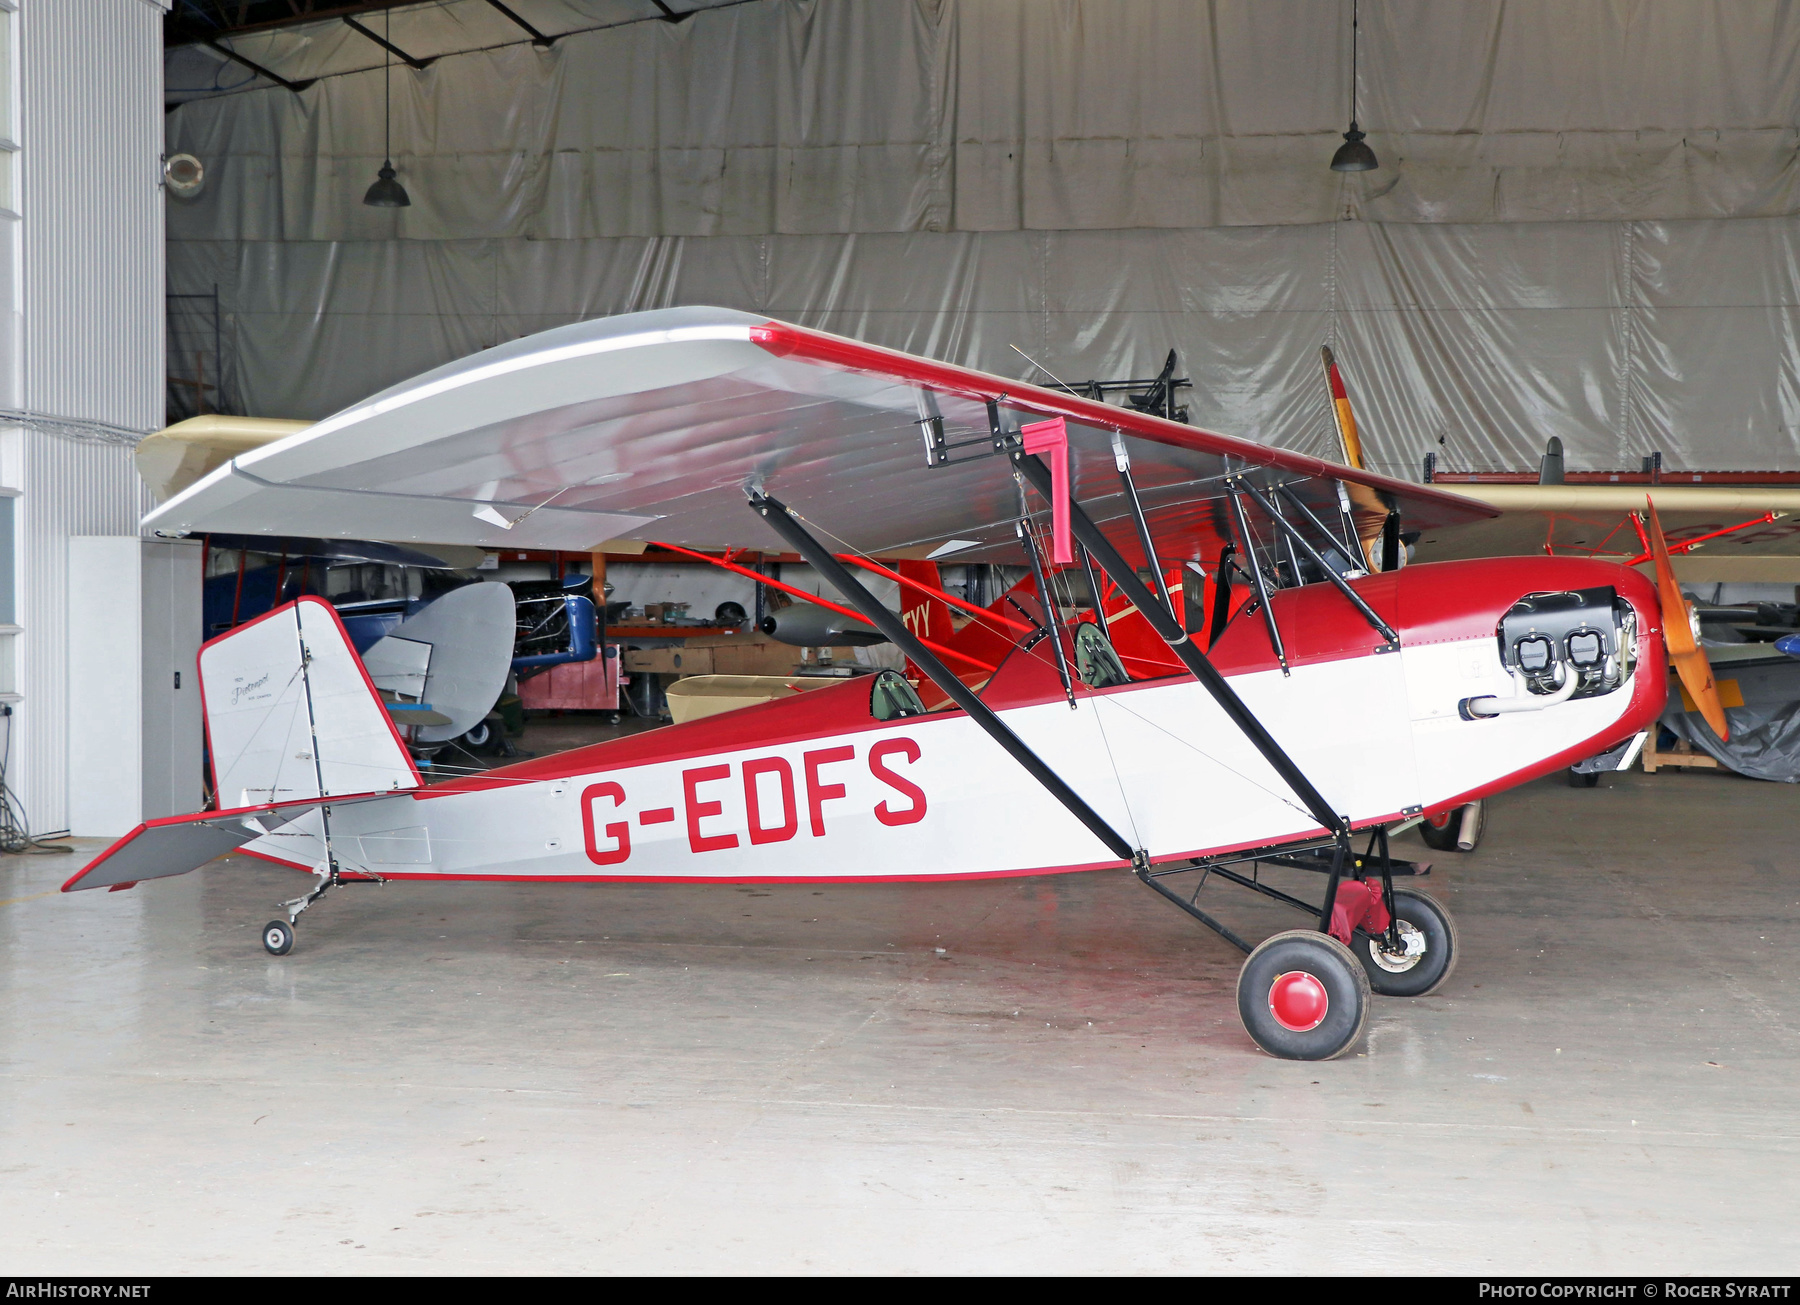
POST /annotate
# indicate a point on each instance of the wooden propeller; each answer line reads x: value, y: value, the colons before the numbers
x: 1678, y: 635
x: 1371, y: 513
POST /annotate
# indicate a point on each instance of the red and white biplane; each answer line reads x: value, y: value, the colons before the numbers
x: 1324, y: 690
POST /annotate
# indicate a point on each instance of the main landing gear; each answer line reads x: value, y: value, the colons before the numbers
x: 278, y: 935
x: 1304, y: 994
x: 1425, y: 956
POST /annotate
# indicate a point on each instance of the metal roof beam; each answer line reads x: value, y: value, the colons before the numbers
x: 213, y: 43
x: 537, y: 38
x: 419, y: 65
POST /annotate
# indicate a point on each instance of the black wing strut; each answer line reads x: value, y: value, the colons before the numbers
x: 819, y: 557
x: 1165, y: 624
x: 1163, y: 621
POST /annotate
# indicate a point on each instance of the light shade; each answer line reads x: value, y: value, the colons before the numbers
x: 389, y: 193
x: 1353, y: 155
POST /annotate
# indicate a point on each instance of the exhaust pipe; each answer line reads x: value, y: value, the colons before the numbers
x: 1488, y: 706
x: 1470, y: 829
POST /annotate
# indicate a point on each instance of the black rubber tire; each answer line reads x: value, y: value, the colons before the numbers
x: 1577, y: 779
x: 1442, y: 838
x: 278, y: 937
x: 1326, y: 959
x: 481, y: 737
x: 1428, y: 971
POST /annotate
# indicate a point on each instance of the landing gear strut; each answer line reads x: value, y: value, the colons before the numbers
x: 1304, y: 994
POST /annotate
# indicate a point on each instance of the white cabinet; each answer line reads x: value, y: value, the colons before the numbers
x: 136, y: 743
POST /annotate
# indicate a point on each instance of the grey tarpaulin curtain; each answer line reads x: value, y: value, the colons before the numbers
x: 1093, y: 182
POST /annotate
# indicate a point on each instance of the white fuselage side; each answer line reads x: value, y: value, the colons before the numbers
x: 933, y: 796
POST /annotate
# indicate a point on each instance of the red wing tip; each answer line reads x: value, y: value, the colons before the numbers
x: 773, y: 338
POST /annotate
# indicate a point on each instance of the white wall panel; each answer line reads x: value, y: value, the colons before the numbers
x: 135, y: 733
x: 91, y: 336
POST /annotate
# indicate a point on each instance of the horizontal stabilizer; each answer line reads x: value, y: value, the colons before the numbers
x: 160, y: 850
x: 175, y: 845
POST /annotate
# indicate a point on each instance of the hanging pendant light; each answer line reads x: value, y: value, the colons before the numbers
x: 1353, y: 155
x: 387, y: 192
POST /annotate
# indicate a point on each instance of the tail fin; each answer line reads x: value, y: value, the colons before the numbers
x: 1349, y: 442
x: 980, y: 637
x: 292, y: 721
x: 931, y: 618
x: 291, y: 714
x: 926, y: 615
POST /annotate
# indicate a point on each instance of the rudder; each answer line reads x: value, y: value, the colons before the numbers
x: 291, y: 714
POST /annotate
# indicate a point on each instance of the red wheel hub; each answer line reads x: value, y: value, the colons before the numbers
x: 1298, y: 1001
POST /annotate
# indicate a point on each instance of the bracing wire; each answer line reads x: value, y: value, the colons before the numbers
x: 986, y: 621
x: 1188, y: 744
x: 1203, y: 753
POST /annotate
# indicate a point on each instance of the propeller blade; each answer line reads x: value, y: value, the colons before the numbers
x: 1370, y: 512
x: 1348, y: 442
x: 1685, y: 651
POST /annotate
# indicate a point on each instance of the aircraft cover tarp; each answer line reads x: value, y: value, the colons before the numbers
x: 1619, y: 337
x: 1765, y: 730
x: 1583, y: 225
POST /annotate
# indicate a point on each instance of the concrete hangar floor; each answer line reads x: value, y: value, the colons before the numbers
x: 1033, y: 1075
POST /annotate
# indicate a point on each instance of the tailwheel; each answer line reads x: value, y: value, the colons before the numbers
x: 1303, y: 996
x: 278, y: 937
x: 1427, y: 952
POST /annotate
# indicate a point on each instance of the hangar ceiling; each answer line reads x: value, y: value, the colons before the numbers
x: 220, y: 46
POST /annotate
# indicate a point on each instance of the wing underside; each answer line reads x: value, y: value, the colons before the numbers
x: 651, y: 426
x: 1732, y: 528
